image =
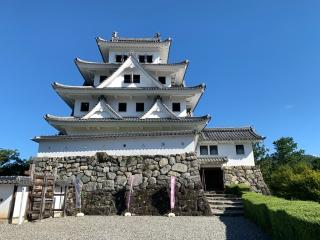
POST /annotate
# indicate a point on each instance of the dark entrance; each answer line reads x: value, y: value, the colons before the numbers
x: 212, y: 179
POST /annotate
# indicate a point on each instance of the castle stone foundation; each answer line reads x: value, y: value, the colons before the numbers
x: 250, y: 175
x: 105, y: 183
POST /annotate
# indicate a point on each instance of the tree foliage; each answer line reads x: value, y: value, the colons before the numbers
x: 290, y: 173
x: 11, y: 163
x: 260, y: 151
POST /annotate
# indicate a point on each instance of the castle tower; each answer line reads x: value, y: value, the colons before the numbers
x: 133, y: 103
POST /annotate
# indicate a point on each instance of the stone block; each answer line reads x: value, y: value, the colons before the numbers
x: 111, y: 175
x: 163, y: 162
x: 88, y: 172
x: 137, y: 180
x: 155, y: 173
x: 179, y: 167
x: 147, y: 173
x: 152, y: 181
x: 165, y: 169
x: 84, y: 178
x: 121, y: 180
x: 172, y: 173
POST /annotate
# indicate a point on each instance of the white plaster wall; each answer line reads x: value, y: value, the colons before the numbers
x: 77, y: 106
x: 6, y: 191
x: 183, y: 105
x: 229, y: 150
x: 131, y: 105
x: 133, y: 146
x: 112, y: 55
x: 20, y: 206
x: 58, y: 201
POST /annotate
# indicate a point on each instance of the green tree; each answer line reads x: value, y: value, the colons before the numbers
x: 11, y: 163
x: 260, y: 151
x: 286, y: 151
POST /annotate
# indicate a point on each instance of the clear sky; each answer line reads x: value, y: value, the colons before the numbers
x: 260, y: 60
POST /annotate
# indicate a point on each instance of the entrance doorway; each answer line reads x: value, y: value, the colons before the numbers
x: 212, y: 179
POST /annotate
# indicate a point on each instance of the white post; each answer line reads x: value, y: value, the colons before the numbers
x: 22, y: 213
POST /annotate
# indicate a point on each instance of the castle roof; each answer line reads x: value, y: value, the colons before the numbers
x: 117, y: 135
x: 70, y: 93
x: 212, y: 159
x: 66, y: 124
x: 146, y: 44
x: 17, y: 180
x: 88, y: 69
x: 229, y: 134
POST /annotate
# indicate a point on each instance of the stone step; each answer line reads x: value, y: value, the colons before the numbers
x: 214, y: 192
x: 224, y: 198
x: 226, y: 207
x: 219, y: 194
x: 218, y: 212
x: 225, y: 201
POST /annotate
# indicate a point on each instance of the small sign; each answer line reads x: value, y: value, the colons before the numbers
x: 172, y: 192
x: 77, y: 185
x: 131, y: 178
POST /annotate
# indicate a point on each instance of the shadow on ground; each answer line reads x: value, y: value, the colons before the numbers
x: 239, y: 227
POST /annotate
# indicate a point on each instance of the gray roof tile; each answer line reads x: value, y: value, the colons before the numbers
x: 210, y: 159
x: 229, y: 134
x: 17, y: 180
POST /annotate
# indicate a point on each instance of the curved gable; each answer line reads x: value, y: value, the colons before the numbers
x: 131, y: 67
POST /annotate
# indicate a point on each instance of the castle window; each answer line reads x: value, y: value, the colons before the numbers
x: 84, y: 107
x: 102, y: 78
x: 142, y: 58
x: 122, y: 107
x: 176, y: 107
x: 140, y: 107
x: 149, y: 59
x: 203, y: 150
x: 118, y: 58
x: 240, y: 149
x: 162, y: 80
x: 213, y: 150
x: 136, y: 78
x: 127, y: 78
x: 121, y: 58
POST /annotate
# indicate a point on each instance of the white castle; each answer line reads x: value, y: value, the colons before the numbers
x: 137, y: 103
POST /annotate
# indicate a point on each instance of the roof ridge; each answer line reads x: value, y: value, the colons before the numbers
x: 228, y: 128
x: 79, y: 60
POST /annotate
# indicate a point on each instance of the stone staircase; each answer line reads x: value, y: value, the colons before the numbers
x: 225, y: 204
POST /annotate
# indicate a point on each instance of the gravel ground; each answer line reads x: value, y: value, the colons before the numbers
x: 142, y: 227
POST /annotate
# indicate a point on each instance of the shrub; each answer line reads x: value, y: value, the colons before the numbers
x: 296, y: 182
x: 283, y: 219
x: 237, y: 189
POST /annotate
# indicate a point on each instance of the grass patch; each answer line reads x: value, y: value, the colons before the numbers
x: 237, y: 189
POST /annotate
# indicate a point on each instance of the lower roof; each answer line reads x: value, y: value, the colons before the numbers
x: 229, y: 134
x: 212, y: 159
x: 117, y: 135
x: 207, y: 134
x: 16, y: 180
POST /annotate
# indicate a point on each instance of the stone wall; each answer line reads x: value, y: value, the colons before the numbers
x: 250, y: 175
x: 105, y: 183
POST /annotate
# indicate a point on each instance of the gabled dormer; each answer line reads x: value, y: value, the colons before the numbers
x: 102, y: 110
x: 130, y: 74
x: 159, y: 110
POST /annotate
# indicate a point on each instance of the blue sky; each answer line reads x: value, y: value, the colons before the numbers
x: 259, y: 59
